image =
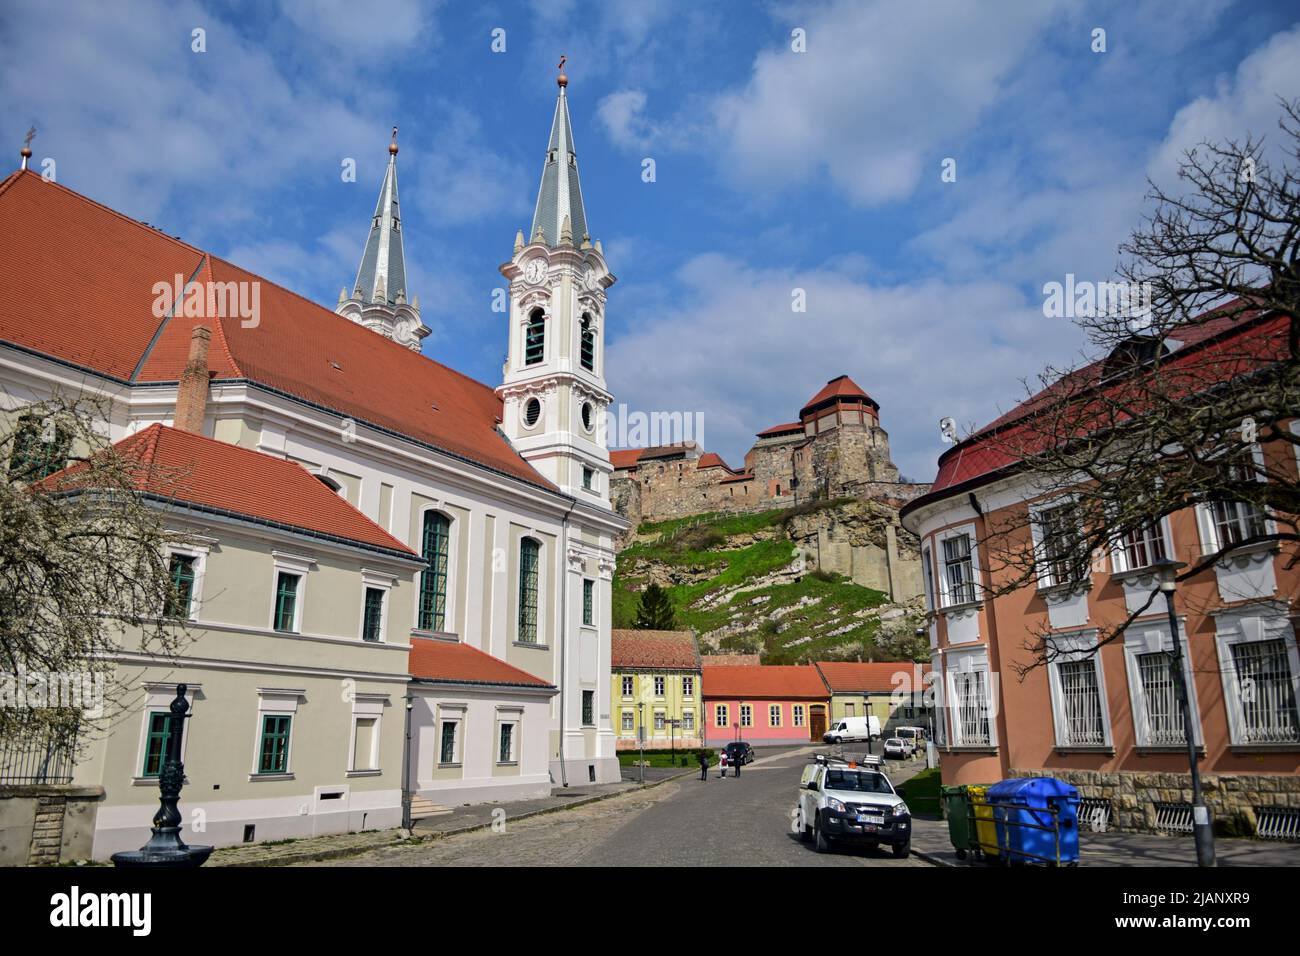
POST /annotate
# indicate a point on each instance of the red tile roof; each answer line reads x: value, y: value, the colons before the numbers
x: 765, y: 682
x: 89, y: 273
x: 1210, y: 352
x: 647, y: 649
x: 190, y: 469
x: 787, y: 428
x: 838, y: 388
x: 625, y: 457
x: 457, y: 663
x: 740, y: 476
x: 867, y: 677
x: 711, y: 459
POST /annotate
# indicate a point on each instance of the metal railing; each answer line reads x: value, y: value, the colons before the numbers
x: 1094, y: 814
x: 1277, y: 823
x: 1174, y: 817
x: 43, y: 761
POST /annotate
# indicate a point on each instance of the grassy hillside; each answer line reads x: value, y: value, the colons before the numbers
x: 736, y: 581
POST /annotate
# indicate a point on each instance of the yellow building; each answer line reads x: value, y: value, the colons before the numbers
x: 656, y: 689
x: 892, y: 692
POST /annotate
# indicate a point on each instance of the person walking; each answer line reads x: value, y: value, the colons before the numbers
x: 722, y: 764
x: 704, y: 765
x: 739, y: 762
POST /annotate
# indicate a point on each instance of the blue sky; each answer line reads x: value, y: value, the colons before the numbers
x: 775, y: 169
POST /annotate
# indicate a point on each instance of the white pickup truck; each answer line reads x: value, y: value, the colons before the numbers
x: 851, y: 802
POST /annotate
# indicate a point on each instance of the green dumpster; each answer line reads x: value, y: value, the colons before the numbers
x: 956, y: 807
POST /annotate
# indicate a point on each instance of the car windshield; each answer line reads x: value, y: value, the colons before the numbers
x: 863, y: 782
x: 893, y: 740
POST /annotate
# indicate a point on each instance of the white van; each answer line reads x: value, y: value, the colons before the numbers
x: 915, y: 736
x: 852, y: 729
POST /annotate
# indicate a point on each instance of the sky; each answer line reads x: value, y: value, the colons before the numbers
x: 799, y: 155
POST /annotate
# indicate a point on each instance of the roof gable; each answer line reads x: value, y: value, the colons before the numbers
x: 455, y: 662
x: 646, y: 649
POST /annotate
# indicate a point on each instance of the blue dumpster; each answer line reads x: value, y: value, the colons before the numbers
x: 1037, y: 820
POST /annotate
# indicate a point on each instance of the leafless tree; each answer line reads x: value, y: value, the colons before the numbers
x: 84, y: 571
x: 1200, y: 371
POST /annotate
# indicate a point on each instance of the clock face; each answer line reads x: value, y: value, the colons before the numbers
x: 534, y: 271
x: 591, y: 280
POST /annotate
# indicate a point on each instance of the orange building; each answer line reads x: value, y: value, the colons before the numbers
x: 1107, y: 720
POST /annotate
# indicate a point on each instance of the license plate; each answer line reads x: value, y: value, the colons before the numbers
x: 863, y: 818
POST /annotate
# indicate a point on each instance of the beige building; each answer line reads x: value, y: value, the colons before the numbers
x: 655, y: 677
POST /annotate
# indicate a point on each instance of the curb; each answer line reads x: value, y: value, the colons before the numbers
x: 404, y: 836
x: 931, y: 858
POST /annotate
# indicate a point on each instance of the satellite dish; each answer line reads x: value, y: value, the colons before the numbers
x: 948, y: 429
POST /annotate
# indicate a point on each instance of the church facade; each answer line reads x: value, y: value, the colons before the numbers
x: 501, y: 493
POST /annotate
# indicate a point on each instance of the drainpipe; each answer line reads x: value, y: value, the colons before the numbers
x: 406, y: 767
x: 564, y: 629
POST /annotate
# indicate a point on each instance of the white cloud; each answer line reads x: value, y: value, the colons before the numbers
x: 364, y: 29
x: 869, y: 104
x: 461, y: 179
x: 737, y: 353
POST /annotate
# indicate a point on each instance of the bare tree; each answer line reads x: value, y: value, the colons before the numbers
x: 1189, y: 403
x: 84, y: 571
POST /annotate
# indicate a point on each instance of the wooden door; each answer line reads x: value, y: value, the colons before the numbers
x: 816, y: 722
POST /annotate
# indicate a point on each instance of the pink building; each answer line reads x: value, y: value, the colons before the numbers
x: 765, y: 705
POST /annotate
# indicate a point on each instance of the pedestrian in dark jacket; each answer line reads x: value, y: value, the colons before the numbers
x: 704, y: 766
x: 739, y: 761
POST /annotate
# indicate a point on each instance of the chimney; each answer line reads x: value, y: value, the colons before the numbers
x: 192, y: 396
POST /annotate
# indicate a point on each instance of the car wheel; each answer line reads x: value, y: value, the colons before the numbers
x: 901, y: 850
x: 821, y: 842
x: 805, y: 831
x: 837, y: 740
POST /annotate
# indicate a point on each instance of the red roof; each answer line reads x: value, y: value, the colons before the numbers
x: 787, y: 428
x: 1210, y: 351
x: 647, y: 649
x: 625, y: 457
x: 767, y: 682
x: 457, y: 663
x: 89, y: 274
x: 711, y: 459
x: 193, y: 470
x: 740, y: 476
x: 837, y: 389
x: 867, y: 677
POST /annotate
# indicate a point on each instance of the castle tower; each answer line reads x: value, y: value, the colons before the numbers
x: 553, y: 382
x: 379, y: 296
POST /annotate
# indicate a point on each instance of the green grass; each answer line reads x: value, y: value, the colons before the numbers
x: 699, y: 543
x: 922, y: 792
x: 685, y: 758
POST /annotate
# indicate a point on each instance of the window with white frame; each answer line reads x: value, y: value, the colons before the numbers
x: 1059, y: 542
x: 507, y: 742
x: 688, y: 720
x: 628, y: 722
x: 688, y: 686
x: 958, y: 569
x: 720, y: 715
x: 1080, y: 719
x: 746, y: 715
x: 628, y: 685
x: 1260, y: 667
x: 1140, y: 547
x: 289, y: 590
x: 449, y: 737
x: 774, y: 715
x: 1153, y: 688
x: 660, y: 720
x: 1228, y: 523
x: 797, y: 714
x: 971, y: 709
x: 659, y: 686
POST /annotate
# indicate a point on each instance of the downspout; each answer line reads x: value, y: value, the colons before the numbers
x: 564, y: 630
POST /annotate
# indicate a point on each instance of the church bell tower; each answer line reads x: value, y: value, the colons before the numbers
x: 553, y: 384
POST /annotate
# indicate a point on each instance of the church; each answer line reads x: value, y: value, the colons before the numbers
x: 374, y: 548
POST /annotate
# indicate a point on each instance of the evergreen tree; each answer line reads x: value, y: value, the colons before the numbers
x: 655, y: 611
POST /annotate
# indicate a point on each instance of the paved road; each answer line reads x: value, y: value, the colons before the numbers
x: 686, y: 822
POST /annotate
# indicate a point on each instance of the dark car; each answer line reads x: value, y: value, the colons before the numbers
x: 739, y: 752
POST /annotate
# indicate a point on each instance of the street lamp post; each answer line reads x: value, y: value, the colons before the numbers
x: 1167, y: 571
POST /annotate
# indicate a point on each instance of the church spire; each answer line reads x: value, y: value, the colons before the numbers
x: 382, y: 275
x: 560, y: 197
x: 378, y: 299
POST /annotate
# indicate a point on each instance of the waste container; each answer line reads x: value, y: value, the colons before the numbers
x: 984, y: 835
x: 957, y: 808
x: 1037, y: 820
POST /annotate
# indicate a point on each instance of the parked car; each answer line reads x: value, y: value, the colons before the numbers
x: 739, y: 752
x: 852, y: 729
x: 897, y: 748
x: 840, y: 801
x: 912, y: 735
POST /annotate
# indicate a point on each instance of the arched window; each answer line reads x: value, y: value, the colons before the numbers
x: 529, y: 552
x: 535, y: 337
x: 588, y: 350
x: 436, y: 543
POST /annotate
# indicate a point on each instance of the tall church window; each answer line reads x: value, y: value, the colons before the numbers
x: 588, y: 352
x: 535, y: 337
x: 528, y: 577
x: 435, y: 543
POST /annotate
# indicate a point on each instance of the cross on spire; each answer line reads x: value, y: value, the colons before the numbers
x: 26, y: 151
